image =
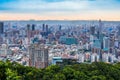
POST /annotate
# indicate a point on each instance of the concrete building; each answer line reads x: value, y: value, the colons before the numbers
x: 81, y: 58
x: 38, y: 54
x: 92, y: 30
x: 1, y: 27
x: 109, y: 58
x: 95, y: 57
x: 105, y: 57
x: 119, y: 33
x: 106, y: 43
x: 56, y: 59
x: 118, y: 30
x: 4, y: 50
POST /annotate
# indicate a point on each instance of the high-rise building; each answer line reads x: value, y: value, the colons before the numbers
x: 94, y: 57
x: 4, y: 50
x: 99, y: 32
x: 60, y: 28
x: 43, y: 27
x: 97, y: 44
x: 28, y: 33
x: 92, y: 30
x: 119, y: 30
x: 119, y: 34
x: 100, y: 25
x: 38, y: 55
x: 46, y: 28
x: 81, y: 57
x: 1, y: 27
x: 28, y: 26
x: 108, y: 58
x: 112, y: 39
x: 33, y: 27
x: 106, y: 43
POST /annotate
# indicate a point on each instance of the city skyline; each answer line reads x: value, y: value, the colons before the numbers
x: 60, y: 10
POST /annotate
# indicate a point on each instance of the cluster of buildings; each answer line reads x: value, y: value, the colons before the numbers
x: 42, y: 43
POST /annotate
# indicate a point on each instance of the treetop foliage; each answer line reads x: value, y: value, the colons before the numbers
x: 94, y: 71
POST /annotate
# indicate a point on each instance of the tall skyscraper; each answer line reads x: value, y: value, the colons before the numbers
x: 28, y: 26
x: 60, y: 28
x: 100, y: 25
x: 33, y: 27
x: 3, y: 50
x: 43, y: 27
x: 118, y: 29
x: 38, y: 55
x: 92, y: 30
x: 106, y: 43
x: 1, y: 27
x: 99, y: 32
x: 112, y: 39
x: 119, y: 33
x: 28, y: 33
x: 46, y: 28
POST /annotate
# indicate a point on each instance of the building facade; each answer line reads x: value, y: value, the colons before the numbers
x: 1, y: 27
x: 38, y: 54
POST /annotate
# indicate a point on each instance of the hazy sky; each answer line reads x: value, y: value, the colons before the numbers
x: 59, y: 9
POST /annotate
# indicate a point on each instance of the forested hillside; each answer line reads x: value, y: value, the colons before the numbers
x: 94, y: 71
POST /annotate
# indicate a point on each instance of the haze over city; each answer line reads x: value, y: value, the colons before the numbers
x: 60, y: 10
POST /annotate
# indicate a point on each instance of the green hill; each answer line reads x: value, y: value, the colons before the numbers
x: 94, y: 71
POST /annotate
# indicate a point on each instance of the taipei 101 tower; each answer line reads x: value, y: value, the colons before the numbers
x: 100, y: 26
x: 99, y: 32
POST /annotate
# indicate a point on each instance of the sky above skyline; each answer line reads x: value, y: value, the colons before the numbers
x: 60, y: 9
